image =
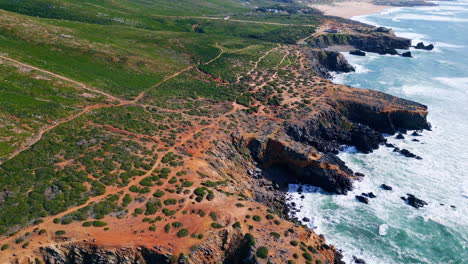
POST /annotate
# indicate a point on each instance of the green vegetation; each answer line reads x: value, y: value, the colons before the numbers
x: 216, y: 225
x: 182, y: 232
x: 60, y: 232
x: 250, y: 239
x: 307, y: 256
x: 108, y: 51
x: 262, y: 252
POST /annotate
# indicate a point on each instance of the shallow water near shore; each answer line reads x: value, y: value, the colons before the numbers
x: 437, y: 233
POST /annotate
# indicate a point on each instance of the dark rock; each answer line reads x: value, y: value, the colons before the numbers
x: 416, y: 134
x: 362, y: 199
x: 389, y: 145
x: 357, y: 53
x: 407, y: 153
x: 325, y: 61
x: 421, y: 45
x: 413, y: 201
x: 400, y: 136
x: 386, y: 187
x: 407, y: 54
x: 357, y: 260
x: 383, y: 30
x: 359, y: 174
x: 305, y: 219
x: 302, y: 196
x: 378, y: 42
x: 415, y: 140
x: 396, y: 150
x: 453, y: 206
x: 369, y: 195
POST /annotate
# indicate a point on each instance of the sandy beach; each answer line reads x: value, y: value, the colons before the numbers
x: 349, y: 9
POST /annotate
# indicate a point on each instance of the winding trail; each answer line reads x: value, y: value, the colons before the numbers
x: 58, y: 76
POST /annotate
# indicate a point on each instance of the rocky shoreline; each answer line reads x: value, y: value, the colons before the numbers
x: 370, y: 122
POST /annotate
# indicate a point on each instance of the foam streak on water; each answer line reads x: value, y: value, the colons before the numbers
x: 387, y: 230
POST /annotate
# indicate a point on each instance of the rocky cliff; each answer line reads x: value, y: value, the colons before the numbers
x: 362, y: 37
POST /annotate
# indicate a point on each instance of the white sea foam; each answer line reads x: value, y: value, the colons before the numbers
x: 458, y: 83
x: 429, y: 18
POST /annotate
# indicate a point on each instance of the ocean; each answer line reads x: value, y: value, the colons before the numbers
x: 437, y: 233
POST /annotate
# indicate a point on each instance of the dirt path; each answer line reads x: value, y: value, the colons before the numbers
x: 217, y: 57
x: 26, y: 145
x: 80, y: 84
x: 236, y: 20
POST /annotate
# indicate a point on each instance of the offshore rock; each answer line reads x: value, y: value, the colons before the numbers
x: 421, y: 45
x: 413, y: 201
x: 362, y: 199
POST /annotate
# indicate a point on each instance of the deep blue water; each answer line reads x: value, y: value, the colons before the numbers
x: 439, y: 79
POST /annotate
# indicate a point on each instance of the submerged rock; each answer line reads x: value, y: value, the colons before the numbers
x: 369, y: 195
x: 407, y: 54
x: 362, y: 199
x: 386, y: 187
x: 357, y: 53
x: 357, y: 260
x: 413, y: 201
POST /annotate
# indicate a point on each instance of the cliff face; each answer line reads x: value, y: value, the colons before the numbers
x: 362, y: 37
x: 323, y: 62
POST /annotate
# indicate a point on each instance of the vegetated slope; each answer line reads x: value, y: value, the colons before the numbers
x: 137, y: 141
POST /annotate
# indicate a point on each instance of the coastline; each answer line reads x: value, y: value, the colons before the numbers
x: 349, y: 9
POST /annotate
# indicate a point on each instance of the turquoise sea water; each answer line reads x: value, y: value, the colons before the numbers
x: 439, y: 79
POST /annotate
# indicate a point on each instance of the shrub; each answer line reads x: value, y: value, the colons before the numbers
x: 126, y: 200
x: 275, y: 235
x: 158, y: 193
x: 25, y: 245
x: 177, y: 224
x: 19, y: 240
x: 269, y: 217
x: 152, y: 228
x: 99, y: 223
x: 307, y: 256
x: 183, y: 232
x: 170, y: 202
x: 168, y: 212
x: 262, y: 252
x: 167, y: 228
x: 216, y: 225
x: 250, y: 239
x: 87, y: 224
x: 256, y: 218
x: 239, y: 205
x: 295, y: 255
x: 60, y: 232
x: 138, y: 211
x: 213, y: 216
x: 4, y: 247
x: 42, y: 231
x: 294, y: 243
x: 318, y: 262
x: 277, y: 222
x: 236, y: 225
x: 37, y: 221
x: 200, y: 236
x: 291, y: 262
x: 311, y: 249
